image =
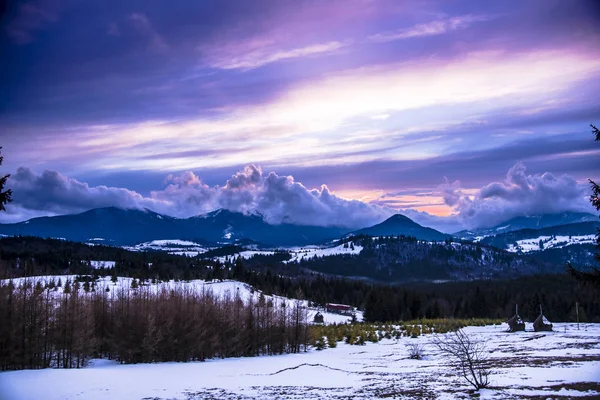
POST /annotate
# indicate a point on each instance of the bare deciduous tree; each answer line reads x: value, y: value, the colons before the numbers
x: 468, y: 355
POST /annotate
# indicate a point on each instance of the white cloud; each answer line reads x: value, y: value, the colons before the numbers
x: 278, y: 198
x: 437, y: 27
x: 266, y: 55
x: 517, y: 195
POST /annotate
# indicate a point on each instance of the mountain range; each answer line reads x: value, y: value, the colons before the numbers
x: 120, y: 227
x: 116, y: 226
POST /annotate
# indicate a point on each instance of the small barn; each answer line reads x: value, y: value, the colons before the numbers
x: 516, y: 323
x: 342, y: 309
x: 541, y: 324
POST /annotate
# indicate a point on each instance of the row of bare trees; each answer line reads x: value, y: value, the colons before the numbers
x: 43, y: 326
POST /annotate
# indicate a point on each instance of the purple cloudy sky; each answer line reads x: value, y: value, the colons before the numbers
x: 473, y: 110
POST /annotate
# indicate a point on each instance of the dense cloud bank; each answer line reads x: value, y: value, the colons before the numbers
x: 278, y: 198
x: 518, y: 194
x: 282, y: 199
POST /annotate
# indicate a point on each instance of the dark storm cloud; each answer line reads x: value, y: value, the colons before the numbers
x: 57, y: 194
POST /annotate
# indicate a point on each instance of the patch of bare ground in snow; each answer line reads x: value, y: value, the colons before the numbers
x: 533, y: 361
x: 580, y: 390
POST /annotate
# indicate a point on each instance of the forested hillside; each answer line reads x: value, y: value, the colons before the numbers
x: 478, y: 298
x: 403, y: 259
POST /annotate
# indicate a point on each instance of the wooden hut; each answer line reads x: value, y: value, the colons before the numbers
x: 516, y: 324
x: 541, y: 324
x: 318, y: 318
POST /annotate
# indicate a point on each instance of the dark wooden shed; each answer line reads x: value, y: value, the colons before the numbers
x: 516, y: 323
x: 541, y: 324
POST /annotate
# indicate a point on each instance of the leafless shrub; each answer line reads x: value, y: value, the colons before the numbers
x: 468, y: 355
x: 415, y: 350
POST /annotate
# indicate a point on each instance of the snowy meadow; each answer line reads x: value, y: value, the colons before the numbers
x: 564, y: 363
x: 560, y: 364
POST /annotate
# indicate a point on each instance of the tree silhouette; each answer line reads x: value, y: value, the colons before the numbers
x: 5, y: 195
x: 593, y: 276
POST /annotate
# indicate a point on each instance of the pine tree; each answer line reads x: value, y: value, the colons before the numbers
x: 238, y: 269
x: 593, y: 276
x: 5, y: 195
x: 67, y: 288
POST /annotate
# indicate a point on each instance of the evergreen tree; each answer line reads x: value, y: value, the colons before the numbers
x: 5, y: 195
x: 238, y: 269
x: 67, y: 288
x: 593, y: 276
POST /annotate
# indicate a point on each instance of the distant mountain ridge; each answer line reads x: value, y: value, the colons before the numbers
x: 117, y: 226
x: 504, y: 240
x: 131, y: 226
x: 529, y: 222
x: 399, y: 224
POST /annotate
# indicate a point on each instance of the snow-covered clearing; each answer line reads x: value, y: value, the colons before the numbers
x: 560, y: 364
x: 102, y: 264
x: 171, y: 246
x: 549, y: 242
x: 298, y: 253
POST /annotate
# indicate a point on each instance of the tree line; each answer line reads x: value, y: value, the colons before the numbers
x: 63, y: 324
x: 557, y: 293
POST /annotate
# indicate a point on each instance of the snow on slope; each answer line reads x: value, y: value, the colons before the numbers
x: 191, y: 249
x: 246, y: 254
x: 102, y: 264
x: 171, y: 246
x: 299, y: 253
x: 218, y: 288
x: 525, y: 364
x: 549, y: 242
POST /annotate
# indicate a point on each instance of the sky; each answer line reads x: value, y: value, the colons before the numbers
x: 459, y: 114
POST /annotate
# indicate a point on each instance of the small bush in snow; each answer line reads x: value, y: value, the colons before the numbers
x: 415, y: 351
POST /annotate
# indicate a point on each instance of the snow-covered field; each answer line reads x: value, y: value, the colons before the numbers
x: 560, y: 364
x: 549, y: 242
